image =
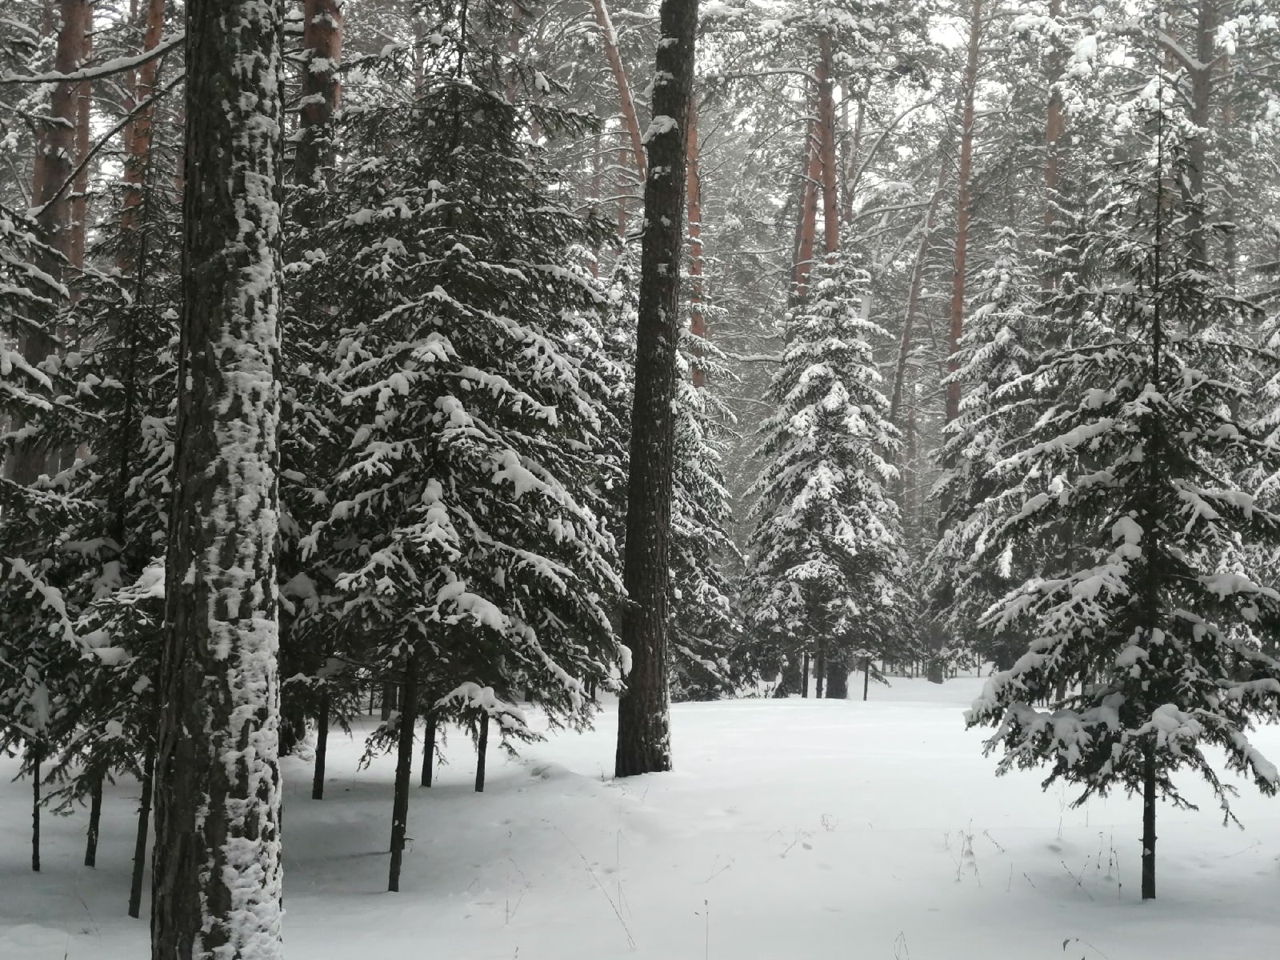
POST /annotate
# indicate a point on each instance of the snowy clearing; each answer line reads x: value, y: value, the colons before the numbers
x: 790, y: 829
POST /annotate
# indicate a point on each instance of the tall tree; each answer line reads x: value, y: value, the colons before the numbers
x: 216, y: 887
x: 644, y: 738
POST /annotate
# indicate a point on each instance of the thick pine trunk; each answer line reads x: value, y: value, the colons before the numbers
x: 482, y: 752
x: 321, y: 91
x: 137, y: 137
x: 429, y: 749
x: 805, y: 670
x: 837, y: 668
x: 820, y: 670
x: 404, y: 769
x: 1053, y: 129
x: 322, y: 748
x: 956, y: 329
x: 95, y: 822
x: 216, y: 882
x: 144, y: 830
x: 866, y: 677
x: 644, y: 743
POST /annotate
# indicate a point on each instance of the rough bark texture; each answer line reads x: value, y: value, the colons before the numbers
x: 1053, y: 128
x: 137, y: 138
x: 144, y: 830
x: 321, y: 91
x: 216, y: 881
x: 644, y: 742
x: 404, y: 770
x: 693, y: 204
x: 962, y: 209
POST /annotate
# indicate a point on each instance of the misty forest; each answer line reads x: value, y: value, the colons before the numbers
x: 741, y: 479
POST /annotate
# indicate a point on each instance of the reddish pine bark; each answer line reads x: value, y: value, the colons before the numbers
x: 321, y: 90
x: 807, y: 225
x: 956, y: 329
x: 137, y: 137
x: 626, y: 104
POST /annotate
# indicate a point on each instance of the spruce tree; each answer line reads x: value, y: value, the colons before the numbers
x: 1156, y: 630
x: 827, y: 570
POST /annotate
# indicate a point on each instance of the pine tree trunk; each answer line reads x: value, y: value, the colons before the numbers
x: 321, y: 90
x: 137, y: 138
x: 866, y: 678
x: 644, y: 742
x: 404, y: 769
x: 144, y: 830
x: 482, y: 752
x: 322, y: 748
x: 216, y: 882
x: 388, y: 700
x: 697, y: 320
x: 83, y: 95
x: 820, y: 669
x: 51, y: 197
x: 429, y: 749
x: 1149, y: 823
x: 808, y: 223
x: 35, y: 807
x: 837, y: 669
x: 804, y: 675
x: 626, y: 104
x: 827, y: 148
x: 962, y: 210
x: 95, y: 822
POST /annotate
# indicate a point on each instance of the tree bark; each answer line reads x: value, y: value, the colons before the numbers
x: 137, y: 138
x: 837, y: 676
x: 626, y: 104
x: 1149, y: 823
x: 820, y: 669
x: 962, y: 209
x: 216, y: 881
x: 55, y: 159
x: 36, y: 757
x: 322, y: 748
x: 321, y: 90
x: 866, y: 677
x: 429, y: 749
x: 482, y: 752
x: 805, y: 670
x: 95, y: 822
x: 807, y: 225
x: 144, y: 830
x: 644, y: 742
x: 404, y: 769
x: 1053, y: 129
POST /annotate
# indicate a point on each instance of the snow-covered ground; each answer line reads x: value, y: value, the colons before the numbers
x: 790, y: 829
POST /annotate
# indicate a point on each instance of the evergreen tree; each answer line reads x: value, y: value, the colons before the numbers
x: 1156, y: 629
x: 827, y: 570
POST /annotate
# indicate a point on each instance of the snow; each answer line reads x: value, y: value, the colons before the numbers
x: 789, y: 830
